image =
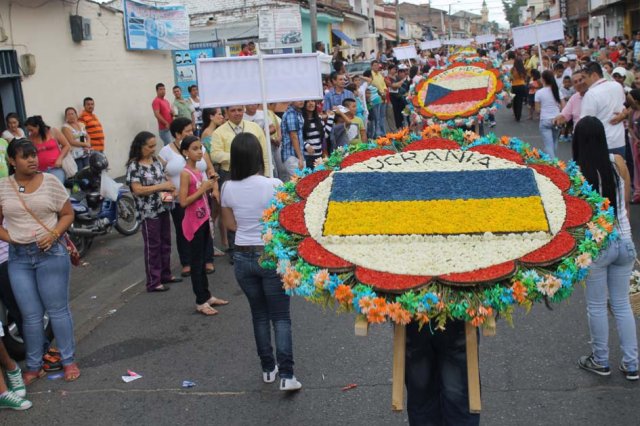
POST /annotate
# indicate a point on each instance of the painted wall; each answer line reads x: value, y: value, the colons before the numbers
x: 324, y: 30
x: 121, y: 82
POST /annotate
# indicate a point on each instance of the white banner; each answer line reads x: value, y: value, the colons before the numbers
x: 430, y: 44
x: 280, y: 28
x: 546, y: 31
x: 236, y: 80
x: 485, y: 38
x: 405, y: 52
x: 457, y: 42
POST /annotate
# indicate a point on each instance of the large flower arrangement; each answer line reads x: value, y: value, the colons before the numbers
x: 465, y: 91
x: 314, y: 266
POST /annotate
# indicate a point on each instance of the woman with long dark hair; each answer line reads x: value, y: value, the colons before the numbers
x: 244, y: 198
x: 13, y: 128
x: 51, y: 145
x: 315, y: 133
x: 518, y: 86
x: 609, y: 273
x: 35, y: 212
x: 548, y: 105
x: 146, y: 178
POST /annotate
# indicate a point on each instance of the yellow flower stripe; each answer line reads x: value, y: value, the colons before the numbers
x: 522, y: 214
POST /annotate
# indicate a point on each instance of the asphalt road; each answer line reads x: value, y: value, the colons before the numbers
x: 529, y: 373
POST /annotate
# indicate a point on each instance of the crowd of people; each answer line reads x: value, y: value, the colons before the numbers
x: 212, y: 173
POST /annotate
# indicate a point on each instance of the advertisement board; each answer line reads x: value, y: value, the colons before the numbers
x: 155, y: 27
x: 184, y: 67
x: 280, y: 28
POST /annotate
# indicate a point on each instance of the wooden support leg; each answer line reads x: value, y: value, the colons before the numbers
x: 362, y: 326
x: 489, y: 327
x: 473, y: 371
x: 399, y: 347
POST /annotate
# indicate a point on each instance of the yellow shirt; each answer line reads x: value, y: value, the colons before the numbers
x: 223, y: 136
x: 378, y: 81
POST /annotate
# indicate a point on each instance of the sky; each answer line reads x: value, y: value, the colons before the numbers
x: 496, y: 12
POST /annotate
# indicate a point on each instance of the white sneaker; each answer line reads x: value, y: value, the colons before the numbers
x: 270, y: 376
x: 291, y: 384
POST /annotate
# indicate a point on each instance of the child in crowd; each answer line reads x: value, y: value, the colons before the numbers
x: 348, y: 129
x: 196, y: 224
x: 566, y: 91
x: 13, y: 393
x: 534, y: 85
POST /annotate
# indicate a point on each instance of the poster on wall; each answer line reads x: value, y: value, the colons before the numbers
x: 184, y: 67
x: 280, y: 28
x: 155, y: 27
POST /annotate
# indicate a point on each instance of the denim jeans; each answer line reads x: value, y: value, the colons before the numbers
x: 436, y: 376
x: 609, y: 276
x: 57, y: 172
x: 290, y: 166
x: 379, y: 113
x: 549, y: 135
x: 269, y: 305
x: 40, y: 282
x: 166, y: 137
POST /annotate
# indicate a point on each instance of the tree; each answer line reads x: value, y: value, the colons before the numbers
x: 512, y: 11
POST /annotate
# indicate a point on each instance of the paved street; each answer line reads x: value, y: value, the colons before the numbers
x: 529, y: 373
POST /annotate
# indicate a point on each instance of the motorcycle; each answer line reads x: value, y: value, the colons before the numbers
x: 12, y: 339
x: 96, y: 214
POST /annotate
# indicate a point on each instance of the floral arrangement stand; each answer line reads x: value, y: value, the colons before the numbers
x: 435, y: 226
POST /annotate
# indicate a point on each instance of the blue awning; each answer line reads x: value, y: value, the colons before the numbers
x: 344, y: 37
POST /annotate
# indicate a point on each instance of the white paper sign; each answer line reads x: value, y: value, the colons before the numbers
x: 458, y: 42
x: 485, y: 38
x: 546, y: 31
x: 430, y: 44
x: 236, y: 80
x: 405, y: 52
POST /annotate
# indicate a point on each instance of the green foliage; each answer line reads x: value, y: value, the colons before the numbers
x: 512, y: 11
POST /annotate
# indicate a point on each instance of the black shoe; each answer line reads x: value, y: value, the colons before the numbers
x: 173, y: 281
x: 629, y: 375
x: 160, y: 288
x: 587, y: 363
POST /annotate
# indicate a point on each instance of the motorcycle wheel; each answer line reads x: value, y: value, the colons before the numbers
x: 82, y: 243
x: 13, y: 340
x: 127, y: 222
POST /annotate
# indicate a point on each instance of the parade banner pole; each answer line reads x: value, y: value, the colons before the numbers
x: 473, y: 371
x: 265, y: 111
x: 399, y: 348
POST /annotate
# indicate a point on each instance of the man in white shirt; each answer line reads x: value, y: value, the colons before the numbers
x: 604, y: 100
x: 325, y: 60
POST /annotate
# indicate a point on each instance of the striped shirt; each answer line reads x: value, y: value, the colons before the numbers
x: 292, y: 121
x: 313, y: 137
x: 94, y: 129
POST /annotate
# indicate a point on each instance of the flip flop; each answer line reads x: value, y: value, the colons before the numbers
x: 214, y: 301
x: 185, y: 273
x: 210, y: 271
x: 29, y: 377
x: 172, y: 280
x: 71, y: 372
x: 159, y: 288
x: 206, y: 310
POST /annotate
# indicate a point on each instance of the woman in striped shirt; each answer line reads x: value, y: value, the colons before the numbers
x: 315, y: 133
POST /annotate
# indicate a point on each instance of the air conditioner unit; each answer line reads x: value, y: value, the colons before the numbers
x: 28, y: 64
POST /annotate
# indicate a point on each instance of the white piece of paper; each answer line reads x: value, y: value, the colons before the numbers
x: 546, y: 31
x: 457, y: 42
x: 236, y: 80
x: 485, y: 38
x: 430, y: 44
x: 405, y: 52
x: 128, y: 379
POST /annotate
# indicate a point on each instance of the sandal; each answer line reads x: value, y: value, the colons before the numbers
x: 210, y: 268
x: 186, y: 272
x: 206, y: 310
x: 214, y: 301
x: 71, y: 372
x: 29, y: 377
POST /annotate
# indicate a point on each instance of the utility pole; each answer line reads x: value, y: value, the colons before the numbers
x: 397, y: 25
x: 313, y: 20
x: 449, y: 18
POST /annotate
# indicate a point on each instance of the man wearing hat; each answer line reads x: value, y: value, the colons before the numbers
x: 572, y: 65
x: 613, y: 52
x: 619, y: 74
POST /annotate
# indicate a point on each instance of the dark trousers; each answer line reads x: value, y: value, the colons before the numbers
x: 199, y: 280
x: 436, y: 377
x: 7, y: 297
x: 157, y: 249
x: 398, y: 104
x: 309, y: 161
x: 184, y: 252
x: 269, y: 305
x: 520, y: 95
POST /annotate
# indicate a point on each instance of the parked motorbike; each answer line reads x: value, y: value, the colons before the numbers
x: 95, y: 214
x: 12, y: 339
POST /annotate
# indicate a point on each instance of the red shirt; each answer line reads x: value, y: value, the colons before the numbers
x: 48, y: 153
x: 162, y: 105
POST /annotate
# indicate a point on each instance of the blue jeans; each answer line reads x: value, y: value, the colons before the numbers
x: 621, y: 151
x: 379, y: 113
x: 549, y: 134
x: 40, y: 282
x: 609, y: 276
x: 166, y: 137
x: 269, y: 305
x: 436, y: 376
x: 57, y: 172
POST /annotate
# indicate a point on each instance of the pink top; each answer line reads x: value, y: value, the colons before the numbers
x: 197, y: 212
x: 48, y: 153
x: 162, y: 105
x: 572, y: 109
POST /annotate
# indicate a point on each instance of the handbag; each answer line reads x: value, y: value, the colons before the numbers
x: 74, y: 255
x: 69, y: 166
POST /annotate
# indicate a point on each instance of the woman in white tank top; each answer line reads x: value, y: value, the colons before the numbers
x: 610, y: 272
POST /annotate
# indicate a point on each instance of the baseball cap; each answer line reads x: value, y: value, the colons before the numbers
x: 612, y: 44
x: 563, y: 59
x: 572, y: 57
x: 402, y: 67
x: 621, y: 71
